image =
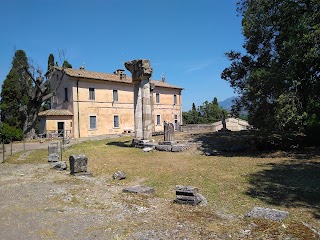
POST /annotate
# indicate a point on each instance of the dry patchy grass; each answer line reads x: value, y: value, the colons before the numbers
x: 232, y: 185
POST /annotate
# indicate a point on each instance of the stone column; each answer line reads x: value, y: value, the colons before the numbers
x: 152, y: 86
x: 138, y: 130
x: 141, y: 73
x: 146, y: 109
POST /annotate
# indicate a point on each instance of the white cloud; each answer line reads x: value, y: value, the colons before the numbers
x: 192, y: 67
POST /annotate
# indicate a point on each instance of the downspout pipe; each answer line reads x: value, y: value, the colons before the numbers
x: 78, y: 108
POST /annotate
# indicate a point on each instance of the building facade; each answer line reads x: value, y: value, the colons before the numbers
x: 90, y: 103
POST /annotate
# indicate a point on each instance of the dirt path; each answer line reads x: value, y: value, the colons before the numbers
x: 37, y: 202
x: 40, y: 203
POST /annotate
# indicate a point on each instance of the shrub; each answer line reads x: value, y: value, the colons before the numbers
x: 9, y: 133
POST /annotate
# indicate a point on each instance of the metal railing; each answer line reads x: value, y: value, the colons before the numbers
x: 54, y: 134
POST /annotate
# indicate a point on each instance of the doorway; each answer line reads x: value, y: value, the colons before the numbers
x: 61, y: 129
x: 176, y: 125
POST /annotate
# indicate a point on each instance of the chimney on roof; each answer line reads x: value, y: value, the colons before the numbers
x: 82, y: 67
x: 121, y: 73
x: 163, y: 78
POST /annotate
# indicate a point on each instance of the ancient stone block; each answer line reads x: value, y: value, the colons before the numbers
x: 166, y: 148
x: 148, y: 149
x: 53, y: 152
x: 78, y: 163
x: 168, y: 131
x: 139, y: 189
x: 166, y: 143
x: 189, y: 195
x: 267, y: 213
x: 179, y: 147
x: 202, y: 199
x: 59, y: 165
x: 119, y: 175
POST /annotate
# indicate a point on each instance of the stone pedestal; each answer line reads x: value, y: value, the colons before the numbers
x: 78, y: 165
x: 143, y: 107
x: 53, y: 152
x: 168, y: 132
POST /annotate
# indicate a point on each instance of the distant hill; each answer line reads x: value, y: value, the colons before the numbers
x: 226, y: 104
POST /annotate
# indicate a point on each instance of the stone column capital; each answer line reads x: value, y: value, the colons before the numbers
x: 140, y: 69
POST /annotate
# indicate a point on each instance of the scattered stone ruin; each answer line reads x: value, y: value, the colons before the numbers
x: 119, y: 175
x: 267, y: 213
x: 169, y: 143
x: 60, y: 166
x: 53, y: 152
x: 143, y: 110
x: 189, y: 195
x: 168, y: 131
x: 139, y: 189
x: 78, y: 165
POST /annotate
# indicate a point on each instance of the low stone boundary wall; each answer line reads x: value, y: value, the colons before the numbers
x: 198, y: 127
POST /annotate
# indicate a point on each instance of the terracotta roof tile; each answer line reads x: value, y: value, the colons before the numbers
x: 55, y: 112
x: 110, y: 77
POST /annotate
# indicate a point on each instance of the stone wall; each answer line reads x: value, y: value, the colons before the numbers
x: 232, y: 124
x: 198, y: 128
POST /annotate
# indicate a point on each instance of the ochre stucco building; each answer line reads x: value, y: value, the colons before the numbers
x: 90, y: 103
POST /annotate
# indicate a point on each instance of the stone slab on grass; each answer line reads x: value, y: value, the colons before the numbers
x: 59, y: 165
x: 148, y: 149
x: 179, y: 148
x: 85, y: 174
x: 119, y: 175
x: 139, y: 189
x: 189, y: 195
x: 166, y: 148
x: 267, y: 213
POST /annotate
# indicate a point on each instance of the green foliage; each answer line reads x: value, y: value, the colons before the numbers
x: 50, y: 61
x: 15, y: 90
x: 47, y: 104
x: 279, y: 76
x: 9, y: 133
x: 208, y: 112
x: 66, y: 64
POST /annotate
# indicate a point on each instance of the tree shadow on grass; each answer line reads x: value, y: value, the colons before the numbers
x: 226, y: 143
x: 120, y: 144
x: 252, y: 144
x: 294, y: 183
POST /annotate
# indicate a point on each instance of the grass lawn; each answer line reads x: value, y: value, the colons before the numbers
x: 232, y: 184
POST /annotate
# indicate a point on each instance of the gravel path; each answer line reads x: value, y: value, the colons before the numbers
x: 40, y: 203
x: 37, y: 202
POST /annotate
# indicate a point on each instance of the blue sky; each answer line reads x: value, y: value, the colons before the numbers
x: 184, y: 39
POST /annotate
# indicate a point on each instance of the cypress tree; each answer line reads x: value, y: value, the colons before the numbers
x: 47, y: 104
x: 14, y: 92
x: 66, y: 64
x: 50, y: 61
